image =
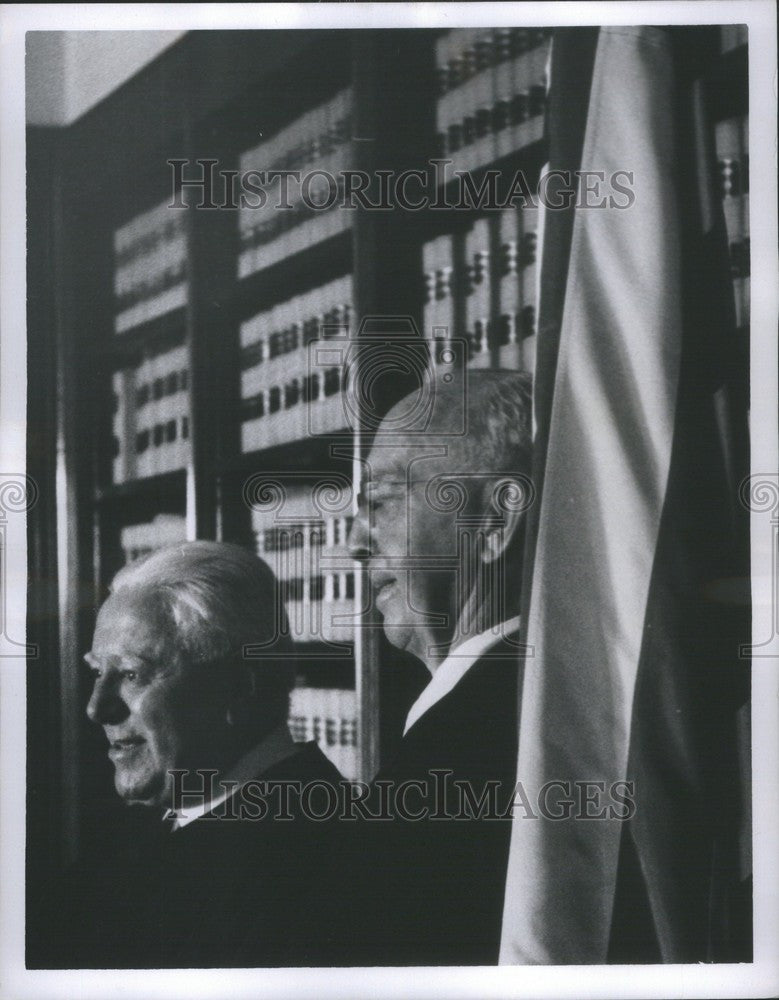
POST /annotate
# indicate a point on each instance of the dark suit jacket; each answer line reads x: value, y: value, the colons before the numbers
x: 216, y: 893
x: 434, y: 886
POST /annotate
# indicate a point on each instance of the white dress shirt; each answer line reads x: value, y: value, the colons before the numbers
x: 277, y: 746
x: 456, y: 665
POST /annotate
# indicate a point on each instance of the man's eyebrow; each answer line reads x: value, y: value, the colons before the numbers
x: 90, y: 658
x: 392, y: 485
x: 377, y: 484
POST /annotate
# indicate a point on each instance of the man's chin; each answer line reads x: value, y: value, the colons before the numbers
x: 397, y: 636
x: 150, y: 795
x: 403, y: 635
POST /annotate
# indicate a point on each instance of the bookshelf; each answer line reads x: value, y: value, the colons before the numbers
x: 187, y: 379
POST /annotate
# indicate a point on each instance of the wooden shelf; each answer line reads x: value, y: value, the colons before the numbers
x: 316, y: 265
x: 306, y: 455
x: 161, y: 487
x: 158, y: 334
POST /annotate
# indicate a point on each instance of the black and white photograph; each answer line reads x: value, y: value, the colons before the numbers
x: 389, y: 500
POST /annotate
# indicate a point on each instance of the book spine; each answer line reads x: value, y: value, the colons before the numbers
x: 123, y: 425
x: 284, y: 396
x: 528, y: 263
x: 491, y: 93
x: 155, y: 415
x: 331, y: 708
x: 430, y: 308
x: 348, y: 735
x: 150, y: 254
x: 478, y: 299
x: 138, y: 540
x: 183, y: 449
x: 143, y: 421
x: 165, y: 414
x: 731, y: 141
x: 445, y: 279
x: 509, y: 298
x: 318, y: 140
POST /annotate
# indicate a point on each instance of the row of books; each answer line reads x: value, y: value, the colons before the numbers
x: 151, y: 416
x: 139, y: 540
x: 291, y: 325
x: 290, y: 230
x: 298, y: 533
x: 289, y: 389
x: 327, y: 587
x: 145, y: 232
x: 150, y: 266
x: 306, y: 549
x: 732, y: 145
x: 732, y: 148
x: 303, y: 407
x: 326, y: 533
x: 482, y: 286
x: 305, y: 141
x: 318, y: 144
x: 308, y: 559
x: 495, y: 97
x: 319, y: 621
x: 328, y: 716
x: 464, y: 52
x: 155, y: 437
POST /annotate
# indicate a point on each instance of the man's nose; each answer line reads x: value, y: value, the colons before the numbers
x: 105, y: 707
x: 359, y: 539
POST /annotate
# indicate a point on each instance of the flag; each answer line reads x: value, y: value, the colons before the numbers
x: 631, y: 696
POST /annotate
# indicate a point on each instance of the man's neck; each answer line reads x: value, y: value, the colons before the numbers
x: 471, y: 622
x: 273, y: 745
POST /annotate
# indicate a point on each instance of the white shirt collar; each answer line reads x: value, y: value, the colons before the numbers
x: 277, y: 746
x: 451, y: 671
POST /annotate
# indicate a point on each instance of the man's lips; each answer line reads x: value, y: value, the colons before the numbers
x: 382, y: 588
x: 124, y: 747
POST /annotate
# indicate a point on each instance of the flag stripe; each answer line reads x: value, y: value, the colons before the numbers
x: 573, y: 56
x: 684, y: 757
x: 611, y: 421
x: 570, y: 78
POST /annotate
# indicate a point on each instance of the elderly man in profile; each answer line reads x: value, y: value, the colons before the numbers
x: 226, y: 878
x: 440, y: 532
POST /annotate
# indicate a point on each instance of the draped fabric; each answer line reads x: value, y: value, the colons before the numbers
x: 633, y: 674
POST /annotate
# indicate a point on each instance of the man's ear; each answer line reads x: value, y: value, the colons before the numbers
x: 503, y: 517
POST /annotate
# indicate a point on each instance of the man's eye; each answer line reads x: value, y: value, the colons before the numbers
x: 130, y: 675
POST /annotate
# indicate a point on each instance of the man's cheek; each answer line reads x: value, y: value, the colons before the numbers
x: 433, y: 534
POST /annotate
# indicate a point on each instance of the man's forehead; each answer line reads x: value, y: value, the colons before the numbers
x: 131, y: 621
x: 412, y: 458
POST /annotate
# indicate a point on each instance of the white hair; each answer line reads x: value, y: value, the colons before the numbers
x: 500, y: 420
x: 220, y: 598
x: 498, y: 411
